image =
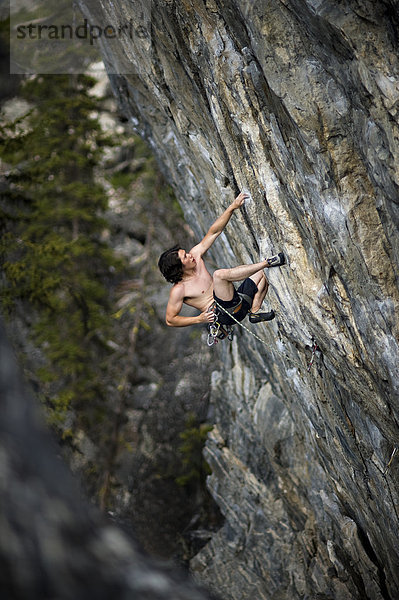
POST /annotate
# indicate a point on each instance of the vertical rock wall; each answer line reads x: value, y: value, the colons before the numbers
x: 295, y: 101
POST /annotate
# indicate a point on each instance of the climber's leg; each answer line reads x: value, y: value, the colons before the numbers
x: 223, y: 278
x: 263, y: 285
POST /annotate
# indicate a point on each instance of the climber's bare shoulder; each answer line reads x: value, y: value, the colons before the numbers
x: 198, y: 286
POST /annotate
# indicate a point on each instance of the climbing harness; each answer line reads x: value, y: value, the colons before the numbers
x: 216, y: 327
x: 219, y: 331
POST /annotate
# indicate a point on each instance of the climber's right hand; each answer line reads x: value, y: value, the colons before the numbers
x: 208, y: 316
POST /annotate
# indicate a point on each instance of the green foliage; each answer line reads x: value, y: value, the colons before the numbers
x: 193, y: 465
x: 52, y: 226
x: 122, y: 180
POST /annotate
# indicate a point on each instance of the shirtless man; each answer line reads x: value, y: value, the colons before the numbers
x: 193, y: 285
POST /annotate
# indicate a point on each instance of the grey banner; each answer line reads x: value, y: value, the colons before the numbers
x: 54, y: 36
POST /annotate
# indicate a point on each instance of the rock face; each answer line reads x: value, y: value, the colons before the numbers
x: 296, y: 102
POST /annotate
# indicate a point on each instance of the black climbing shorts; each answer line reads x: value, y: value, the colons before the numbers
x: 249, y: 288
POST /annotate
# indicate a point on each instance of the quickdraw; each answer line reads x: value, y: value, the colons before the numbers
x: 394, y: 451
x: 315, y: 348
x: 217, y: 331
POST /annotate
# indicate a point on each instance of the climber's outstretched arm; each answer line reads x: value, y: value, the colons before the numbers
x: 216, y: 229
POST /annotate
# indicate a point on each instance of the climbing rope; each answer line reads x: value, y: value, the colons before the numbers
x: 315, y: 347
x: 240, y: 324
x: 347, y: 426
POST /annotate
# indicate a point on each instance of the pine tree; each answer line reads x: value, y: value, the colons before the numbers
x: 51, y: 248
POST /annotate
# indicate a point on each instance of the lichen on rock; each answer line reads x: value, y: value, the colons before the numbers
x: 296, y: 102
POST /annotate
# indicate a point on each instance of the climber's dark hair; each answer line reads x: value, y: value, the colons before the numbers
x: 170, y: 265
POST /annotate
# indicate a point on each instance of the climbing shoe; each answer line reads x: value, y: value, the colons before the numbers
x: 277, y: 260
x: 259, y: 317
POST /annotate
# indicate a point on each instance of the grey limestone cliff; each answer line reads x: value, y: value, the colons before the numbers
x: 297, y: 102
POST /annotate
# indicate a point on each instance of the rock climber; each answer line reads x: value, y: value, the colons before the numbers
x: 193, y: 284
